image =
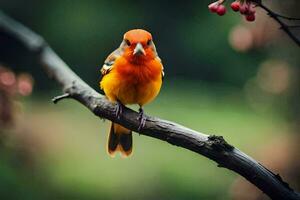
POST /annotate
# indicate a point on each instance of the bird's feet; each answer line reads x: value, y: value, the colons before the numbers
x: 119, y: 109
x: 142, y: 119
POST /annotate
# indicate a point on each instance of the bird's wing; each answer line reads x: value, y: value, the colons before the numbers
x: 158, y: 59
x: 162, y: 70
x: 109, y: 62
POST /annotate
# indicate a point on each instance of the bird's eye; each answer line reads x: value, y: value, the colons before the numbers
x: 127, y: 42
x: 149, y: 42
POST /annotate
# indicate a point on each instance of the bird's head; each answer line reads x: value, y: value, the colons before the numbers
x: 138, y: 45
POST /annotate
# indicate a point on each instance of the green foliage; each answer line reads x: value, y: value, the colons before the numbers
x: 191, y: 42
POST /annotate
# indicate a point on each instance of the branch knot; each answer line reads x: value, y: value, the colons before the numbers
x: 219, y: 143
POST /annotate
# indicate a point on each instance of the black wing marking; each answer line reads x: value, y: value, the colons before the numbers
x: 109, y: 62
x: 162, y: 70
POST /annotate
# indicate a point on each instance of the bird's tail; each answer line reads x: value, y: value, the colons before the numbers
x: 119, y: 139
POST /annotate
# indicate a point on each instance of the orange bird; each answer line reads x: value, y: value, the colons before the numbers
x: 132, y: 74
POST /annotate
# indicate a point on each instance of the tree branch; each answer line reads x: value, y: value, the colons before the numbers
x: 212, y: 147
x: 277, y: 17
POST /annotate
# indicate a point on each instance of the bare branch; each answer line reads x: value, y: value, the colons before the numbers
x: 277, y: 17
x: 286, y: 17
x: 212, y: 147
x: 294, y: 26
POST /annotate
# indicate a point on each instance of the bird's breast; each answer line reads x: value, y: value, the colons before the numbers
x: 138, y: 83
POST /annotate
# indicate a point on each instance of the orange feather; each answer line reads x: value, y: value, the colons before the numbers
x: 132, y: 78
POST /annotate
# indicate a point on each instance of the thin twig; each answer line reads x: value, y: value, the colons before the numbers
x: 212, y: 147
x: 60, y: 97
x: 283, y: 25
x: 288, y: 18
x: 294, y: 26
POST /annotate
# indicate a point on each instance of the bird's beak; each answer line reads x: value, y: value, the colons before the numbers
x: 139, y: 50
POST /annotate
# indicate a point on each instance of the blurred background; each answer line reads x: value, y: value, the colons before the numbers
x: 224, y: 76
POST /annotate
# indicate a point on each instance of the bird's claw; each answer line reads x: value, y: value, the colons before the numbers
x: 118, y: 109
x: 142, y: 119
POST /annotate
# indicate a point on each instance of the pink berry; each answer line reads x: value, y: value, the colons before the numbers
x: 251, y: 10
x: 221, y: 10
x: 250, y: 18
x: 244, y: 9
x: 213, y: 7
x: 235, y: 6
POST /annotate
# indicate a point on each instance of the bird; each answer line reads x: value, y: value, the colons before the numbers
x: 132, y: 74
